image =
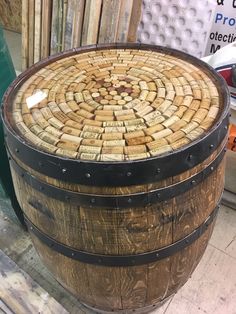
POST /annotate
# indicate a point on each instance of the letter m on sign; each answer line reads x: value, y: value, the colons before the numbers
x: 214, y: 48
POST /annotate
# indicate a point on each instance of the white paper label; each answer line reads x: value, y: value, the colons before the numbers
x: 223, y: 30
x: 33, y: 100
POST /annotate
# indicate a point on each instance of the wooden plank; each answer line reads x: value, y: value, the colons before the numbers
x: 124, y: 20
x: 134, y: 21
x: 18, y: 246
x: 109, y: 21
x: 56, y: 26
x: 91, y: 22
x: 31, y: 31
x: 64, y: 10
x: 78, y: 22
x: 46, y: 28
x: 68, y: 25
x: 37, y: 30
x: 21, y: 294
x: 25, y: 34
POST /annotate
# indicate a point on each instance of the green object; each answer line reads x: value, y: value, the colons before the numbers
x: 7, y: 75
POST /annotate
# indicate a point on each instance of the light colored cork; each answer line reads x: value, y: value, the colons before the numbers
x: 117, y: 105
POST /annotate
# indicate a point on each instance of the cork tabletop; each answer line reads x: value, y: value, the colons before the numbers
x: 116, y: 105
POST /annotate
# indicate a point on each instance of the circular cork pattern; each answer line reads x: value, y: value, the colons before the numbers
x: 116, y: 105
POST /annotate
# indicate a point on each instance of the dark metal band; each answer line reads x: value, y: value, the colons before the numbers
x: 116, y: 173
x: 122, y: 260
x: 117, y: 201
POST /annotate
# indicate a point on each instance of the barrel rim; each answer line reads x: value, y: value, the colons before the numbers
x: 100, y: 173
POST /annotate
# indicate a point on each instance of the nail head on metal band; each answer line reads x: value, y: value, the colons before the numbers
x: 118, y: 201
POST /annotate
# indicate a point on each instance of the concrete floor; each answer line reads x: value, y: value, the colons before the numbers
x: 212, y: 288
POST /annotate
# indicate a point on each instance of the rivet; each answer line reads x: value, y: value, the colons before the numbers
x: 67, y: 197
x: 93, y: 200
x: 129, y: 174
x: 190, y: 157
x: 87, y: 175
x: 193, y: 182
x: 72, y: 254
x: 211, y: 146
x: 212, y: 168
x: 31, y: 228
x: 9, y: 158
x: 226, y: 127
x: 129, y: 200
x: 157, y: 254
x: 158, y: 195
x: 40, y: 163
x: 186, y: 241
x: 225, y: 149
x: 158, y: 170
x: 63, y: 170
x: 41, y: 188
x: 16, y: 150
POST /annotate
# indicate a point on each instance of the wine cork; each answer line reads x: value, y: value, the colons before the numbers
x: 72, y: 146
x: 213, y: 112
x: 66, y: 153
x: 46, y: 112
x: 49, y: 138
x: 75, y: 117
x: 194, y: 134
x: 180, y: 143
x: 92, y: 142
x: 56, y: 123
x: 71, y: 131
x: 112, y: 136
x: 113, y: 150
x: 161, y: 150
x: 47, y: 147
x: 55, y: 132
x: 117, y: 105
x: 188, y: 115
x: 157, y: 143
x: 136, y: 149
x: 22, y: 127
x: 28, y: 120
x: 87, y: 156
x: 64, y: 107
x: 111, y: 157
x: 89, y: 149
x: 71, y: 138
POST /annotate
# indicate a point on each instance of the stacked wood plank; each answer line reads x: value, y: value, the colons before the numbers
x: 51, y: 26
x: 116, y: 105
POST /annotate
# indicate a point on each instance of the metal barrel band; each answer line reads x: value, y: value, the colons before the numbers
x: 117, y: 173
x: 122, y: 201
x: 122, y: 260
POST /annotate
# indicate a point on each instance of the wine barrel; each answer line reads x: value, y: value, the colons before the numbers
x: 117, y: 155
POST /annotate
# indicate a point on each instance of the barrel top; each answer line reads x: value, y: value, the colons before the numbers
x: 116, y: 104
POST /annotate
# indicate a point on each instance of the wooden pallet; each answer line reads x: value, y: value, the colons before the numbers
x: 51, y: 26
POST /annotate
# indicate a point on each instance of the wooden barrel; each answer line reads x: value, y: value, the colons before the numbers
x: 117, y: 155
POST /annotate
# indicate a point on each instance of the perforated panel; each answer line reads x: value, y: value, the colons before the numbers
x: 180, y: 24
